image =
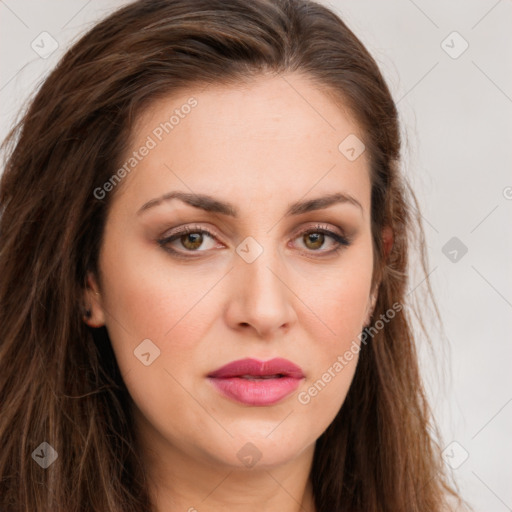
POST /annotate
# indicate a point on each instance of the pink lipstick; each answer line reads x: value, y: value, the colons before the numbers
x: 259, y: 383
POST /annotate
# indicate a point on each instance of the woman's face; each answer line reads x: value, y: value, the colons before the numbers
x: 272, y: 279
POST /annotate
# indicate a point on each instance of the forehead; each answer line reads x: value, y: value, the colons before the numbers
x: 277, y: 136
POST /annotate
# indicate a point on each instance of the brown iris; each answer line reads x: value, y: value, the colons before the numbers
x: 192, y: 240
x: 317, y: 240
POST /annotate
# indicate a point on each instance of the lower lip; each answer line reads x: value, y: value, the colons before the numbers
x: 256, y: 392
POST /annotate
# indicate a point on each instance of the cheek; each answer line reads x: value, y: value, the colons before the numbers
x: 336, y: 299
x: 150, y: 299
x: 148, y: 294
x: 333, y: 357
x: 339, y: 306
x: 147, y: 298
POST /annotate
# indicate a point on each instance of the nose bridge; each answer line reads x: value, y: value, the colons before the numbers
x: 259, y: 267
x: 263, y: 298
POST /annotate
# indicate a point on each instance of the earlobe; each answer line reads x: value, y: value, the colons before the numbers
x: 93, y: 314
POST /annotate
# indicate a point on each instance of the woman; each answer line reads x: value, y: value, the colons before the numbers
x: 204, y: 245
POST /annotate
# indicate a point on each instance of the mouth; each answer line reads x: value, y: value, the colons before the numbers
x: 257, y: 383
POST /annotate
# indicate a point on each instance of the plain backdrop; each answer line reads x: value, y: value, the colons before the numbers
x: 449, y: 66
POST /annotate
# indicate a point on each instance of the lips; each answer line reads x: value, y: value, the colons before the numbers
x: 255, y: 368
x: 257, y: 383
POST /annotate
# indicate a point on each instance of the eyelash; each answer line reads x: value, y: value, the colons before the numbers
x: 342, y: 241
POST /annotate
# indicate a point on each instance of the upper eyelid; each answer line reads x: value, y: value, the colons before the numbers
x: 197, y: 227
x: 213, y: 233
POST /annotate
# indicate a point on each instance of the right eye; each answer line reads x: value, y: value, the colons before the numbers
x: 190, y: 239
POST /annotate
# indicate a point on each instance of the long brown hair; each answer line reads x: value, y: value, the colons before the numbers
x: 59, y: 381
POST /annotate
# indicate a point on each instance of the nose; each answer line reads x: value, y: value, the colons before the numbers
x: 261, y: 298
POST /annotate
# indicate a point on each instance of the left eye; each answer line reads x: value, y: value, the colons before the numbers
x: 315, y: 238
x: 193, y: 238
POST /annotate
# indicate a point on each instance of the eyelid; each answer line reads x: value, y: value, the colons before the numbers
x: 342, y: 240
x: 320, y: 227
x: 188, y: 228
x: 183, y: 230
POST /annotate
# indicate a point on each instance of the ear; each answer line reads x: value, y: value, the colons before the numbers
x: 93, y: 315
x: 370, y: 307
x: 387, y: 240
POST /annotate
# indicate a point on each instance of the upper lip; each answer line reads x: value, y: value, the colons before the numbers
x: 276, y: 366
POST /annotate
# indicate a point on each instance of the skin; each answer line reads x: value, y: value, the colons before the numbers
x: 260, y: 147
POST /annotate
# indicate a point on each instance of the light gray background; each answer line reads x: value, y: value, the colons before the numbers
x: 457, y: 121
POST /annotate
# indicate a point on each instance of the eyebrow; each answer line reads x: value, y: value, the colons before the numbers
x: 210, y: 204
